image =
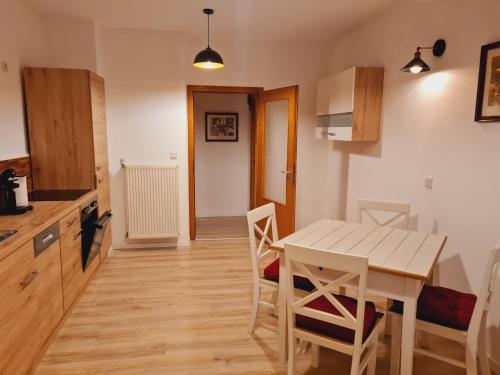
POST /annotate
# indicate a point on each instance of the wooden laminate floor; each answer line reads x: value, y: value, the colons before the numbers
x: 184, y: 312
x: 211, y: 228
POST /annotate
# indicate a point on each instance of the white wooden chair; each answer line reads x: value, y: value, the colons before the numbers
x: 325, y: 319
x: 389, y: 213
x: 382, y: 213
x: 467, y: 334
x: 270, y: 278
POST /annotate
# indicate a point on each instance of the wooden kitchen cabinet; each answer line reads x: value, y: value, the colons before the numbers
x: 66, y: 112
x: 31, y: 305
x: 349, y: 105
x: 71, y: 258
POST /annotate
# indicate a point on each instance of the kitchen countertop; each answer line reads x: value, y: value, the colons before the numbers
x: 29, y: 224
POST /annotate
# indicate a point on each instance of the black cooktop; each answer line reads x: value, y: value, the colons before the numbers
x: 56, y: 195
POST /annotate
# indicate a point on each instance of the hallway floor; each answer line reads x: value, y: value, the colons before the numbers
x: 213, y: 228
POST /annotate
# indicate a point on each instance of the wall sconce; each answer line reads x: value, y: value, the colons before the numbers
x: 417, y: 65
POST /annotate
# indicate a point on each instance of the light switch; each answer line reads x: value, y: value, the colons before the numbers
x: 4, y: 67
x: 173, y: 155
x: 429, y: 181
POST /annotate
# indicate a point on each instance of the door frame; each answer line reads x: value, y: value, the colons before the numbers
x: 191, y: 90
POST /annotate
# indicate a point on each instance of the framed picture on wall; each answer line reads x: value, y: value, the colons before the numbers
x: 221, y: 127
x: 488, y: 88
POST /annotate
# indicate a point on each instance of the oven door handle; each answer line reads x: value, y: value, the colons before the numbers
x: 103, y: 220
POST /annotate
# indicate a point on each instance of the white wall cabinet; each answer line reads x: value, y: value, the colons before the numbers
x: 349, y: 105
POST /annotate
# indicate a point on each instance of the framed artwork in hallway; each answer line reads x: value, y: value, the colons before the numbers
x: 488, y: 89
x: 221, y: 127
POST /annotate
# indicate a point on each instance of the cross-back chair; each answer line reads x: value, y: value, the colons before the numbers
x: 324, y: 319
x: 260, y: 238
x: 383, y: 213
x: 368, y: 213
x: 453, y: 315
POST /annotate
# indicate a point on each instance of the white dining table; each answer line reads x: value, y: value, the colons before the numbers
x: 399, y: 263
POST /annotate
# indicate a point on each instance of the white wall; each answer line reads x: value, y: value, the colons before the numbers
x: 71, y: 43
x: 222, y: 168
x: 26, y: 39
x: 22, y: 42
x: 146, y: 75
x: 428, y: 130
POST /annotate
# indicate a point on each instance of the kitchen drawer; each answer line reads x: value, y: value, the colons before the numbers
x: 32, y: 305
x: 71, y: 257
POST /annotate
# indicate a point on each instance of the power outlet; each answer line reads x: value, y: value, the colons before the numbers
x: 4, y: 67
x: 429, y: 182
x: 173, y: 155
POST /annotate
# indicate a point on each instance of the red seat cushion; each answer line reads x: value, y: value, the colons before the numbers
x: 272, y: 273
x: 335, y: 331
x: 443, y: 306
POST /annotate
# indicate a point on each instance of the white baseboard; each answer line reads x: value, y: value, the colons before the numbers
x: 152, y: 245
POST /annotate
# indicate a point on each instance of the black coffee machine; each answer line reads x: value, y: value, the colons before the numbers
x: 8, y: 204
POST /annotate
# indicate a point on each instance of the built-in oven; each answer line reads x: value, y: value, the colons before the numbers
x: 92, y: 231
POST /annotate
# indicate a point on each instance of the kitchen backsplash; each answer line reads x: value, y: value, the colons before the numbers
x: 22, y: 166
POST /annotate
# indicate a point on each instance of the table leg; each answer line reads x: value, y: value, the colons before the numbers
x: 282, y: 331
x: 412, y: 290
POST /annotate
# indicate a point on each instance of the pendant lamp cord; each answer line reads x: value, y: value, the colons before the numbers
x: 208, y: 27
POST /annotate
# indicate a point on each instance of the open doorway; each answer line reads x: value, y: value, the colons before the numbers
x: 271, y: 164
x: 223, y: 131
x: 224, y: 170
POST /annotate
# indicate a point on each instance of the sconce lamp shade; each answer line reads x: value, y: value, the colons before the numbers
x: 417, y: 65
x: 208, y: 59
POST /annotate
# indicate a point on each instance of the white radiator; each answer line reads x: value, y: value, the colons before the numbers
x: 152, y: 202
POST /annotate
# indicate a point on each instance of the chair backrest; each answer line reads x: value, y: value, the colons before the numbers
x: 311, y: 263
x: 265, y: 235
x: 483, y: 299
x: 384, y: 213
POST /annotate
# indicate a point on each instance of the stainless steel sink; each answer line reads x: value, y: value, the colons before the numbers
x: 4, y: 234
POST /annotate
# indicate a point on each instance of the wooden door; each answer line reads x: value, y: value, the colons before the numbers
x: 276, y: 154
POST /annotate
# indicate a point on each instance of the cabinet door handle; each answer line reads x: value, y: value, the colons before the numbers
x: 77, y: 235
x: 47, y: 238
x: 73, y: 221
x: 28, y: 280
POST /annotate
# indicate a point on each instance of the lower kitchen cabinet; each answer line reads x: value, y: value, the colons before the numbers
x: 32, y: 305
x: 106, y: 243
x: 71, y: 257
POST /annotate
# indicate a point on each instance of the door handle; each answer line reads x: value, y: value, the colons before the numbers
x: 287, y: 172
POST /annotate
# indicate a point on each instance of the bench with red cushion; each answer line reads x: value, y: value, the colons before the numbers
x: 443, y: 306
x: 333, y: 330
x: 272, y: 273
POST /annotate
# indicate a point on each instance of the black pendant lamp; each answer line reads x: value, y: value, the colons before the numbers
x: 417, y: 65
x: 208, y: 58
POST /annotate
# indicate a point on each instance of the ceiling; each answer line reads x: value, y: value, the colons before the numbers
x: 314, y: 21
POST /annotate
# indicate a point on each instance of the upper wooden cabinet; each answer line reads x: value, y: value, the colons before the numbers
x: 349, y: 105
x: 67, y: 130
